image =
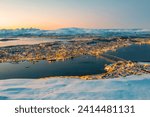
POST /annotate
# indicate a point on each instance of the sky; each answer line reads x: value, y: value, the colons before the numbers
x: 54, y: 14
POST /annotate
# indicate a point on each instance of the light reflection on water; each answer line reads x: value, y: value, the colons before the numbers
x: 83, y: 65
x: 27, y: 41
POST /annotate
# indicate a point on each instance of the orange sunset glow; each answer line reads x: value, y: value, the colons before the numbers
x: 54, y: 14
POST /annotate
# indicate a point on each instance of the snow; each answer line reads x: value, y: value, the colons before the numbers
x: 74, y: 31
x: 132, y: 87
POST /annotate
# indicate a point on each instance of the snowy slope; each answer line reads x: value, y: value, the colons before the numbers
x: 133, y: 87
x: 74, y: 31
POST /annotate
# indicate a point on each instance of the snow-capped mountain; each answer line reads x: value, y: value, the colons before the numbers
x: 73, y: 32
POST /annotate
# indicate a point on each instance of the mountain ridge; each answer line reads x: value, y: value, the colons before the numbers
x: 73, y: 31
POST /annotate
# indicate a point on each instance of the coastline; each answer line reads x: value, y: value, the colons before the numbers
x: 59, y: 51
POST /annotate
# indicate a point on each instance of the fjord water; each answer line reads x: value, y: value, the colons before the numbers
x: 138, y: 53
x: 83, y: 65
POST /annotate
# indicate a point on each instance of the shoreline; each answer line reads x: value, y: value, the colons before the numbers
x: 61, y: 52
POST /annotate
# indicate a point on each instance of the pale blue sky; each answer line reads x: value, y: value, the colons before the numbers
x: 51, y: 14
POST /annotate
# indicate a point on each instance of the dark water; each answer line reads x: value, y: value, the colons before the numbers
x: 79, y: 66
x: 84, y: 65
x: 139, y: 53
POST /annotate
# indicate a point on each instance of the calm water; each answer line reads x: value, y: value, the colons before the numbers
x: 134, y: 53
x: 27, y: 41
x: 83, y: 65
x: 79, y: 66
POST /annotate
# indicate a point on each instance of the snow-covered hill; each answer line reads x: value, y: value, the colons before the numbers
x: 132, y: 87
x: 74, y: 31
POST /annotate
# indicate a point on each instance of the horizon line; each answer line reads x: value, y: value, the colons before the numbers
x: 71, y: 27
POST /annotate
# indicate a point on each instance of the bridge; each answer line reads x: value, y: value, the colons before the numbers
x: 112, y: 58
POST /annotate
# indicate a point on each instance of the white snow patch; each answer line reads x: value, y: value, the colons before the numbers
x: 133, y: 87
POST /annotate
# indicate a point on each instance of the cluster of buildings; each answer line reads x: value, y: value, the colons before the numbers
x: 60, y: 51
x: 56, y: 51
x: 125, y: 68
x: 120, y: 69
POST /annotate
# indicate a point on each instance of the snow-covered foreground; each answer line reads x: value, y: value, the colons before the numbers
x: 133, y: 87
